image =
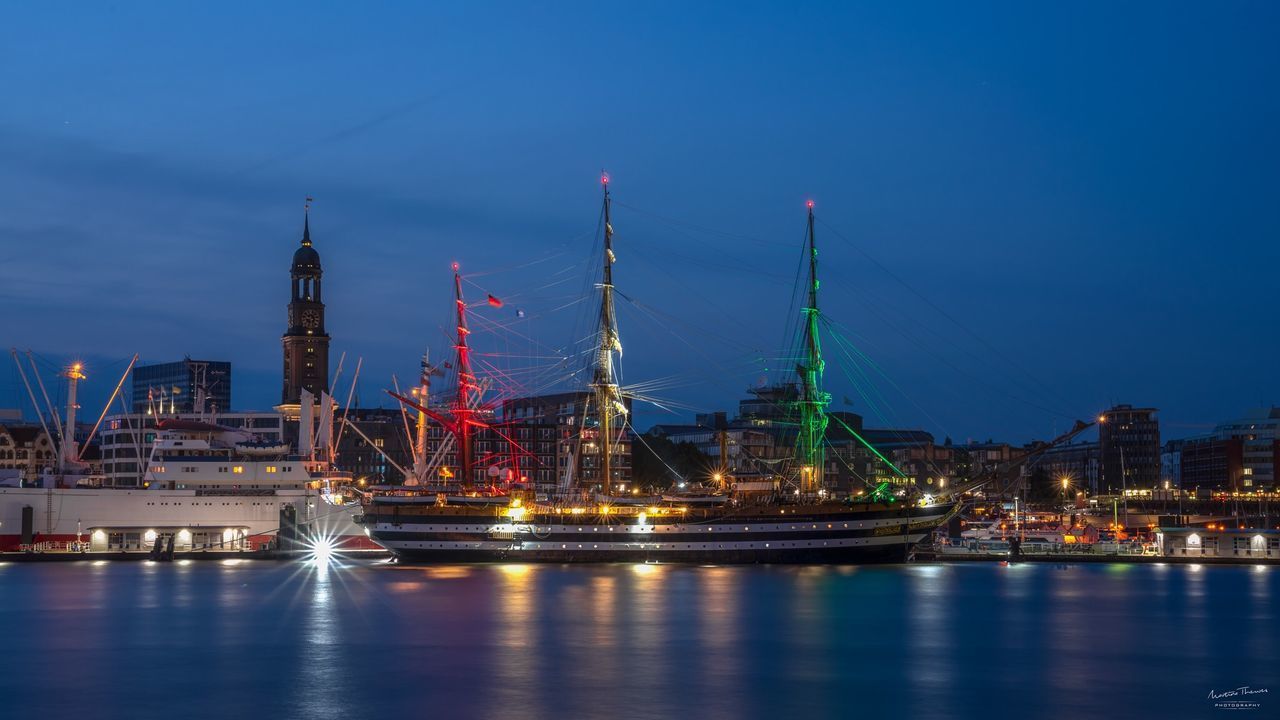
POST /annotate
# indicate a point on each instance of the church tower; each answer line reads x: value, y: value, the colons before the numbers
x: 306, y: 344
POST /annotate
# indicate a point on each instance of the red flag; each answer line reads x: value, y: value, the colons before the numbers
x: 495, y: 301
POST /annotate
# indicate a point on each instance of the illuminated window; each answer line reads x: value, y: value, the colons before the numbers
x: 238, y: 469
x: 271, y: 468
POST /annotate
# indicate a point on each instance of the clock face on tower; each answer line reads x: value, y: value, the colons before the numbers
x: 310, y: 319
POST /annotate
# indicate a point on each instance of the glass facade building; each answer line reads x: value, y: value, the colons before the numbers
x: 172, y: 386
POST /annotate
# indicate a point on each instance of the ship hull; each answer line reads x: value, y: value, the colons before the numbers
x: 116, y: 520
x: 844, y: 537
x: 896, y: 550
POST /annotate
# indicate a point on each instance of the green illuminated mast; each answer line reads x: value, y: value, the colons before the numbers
x: 812, y: 406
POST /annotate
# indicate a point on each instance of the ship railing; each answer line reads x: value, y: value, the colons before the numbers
x: 253, y: 492
x: 55, y: 546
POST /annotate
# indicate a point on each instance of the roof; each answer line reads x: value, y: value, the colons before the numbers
x: 22, y: 434
x: 306, y: 257
x: 663, y: 430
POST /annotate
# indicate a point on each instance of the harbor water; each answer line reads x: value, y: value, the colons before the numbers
x: 349, y: 639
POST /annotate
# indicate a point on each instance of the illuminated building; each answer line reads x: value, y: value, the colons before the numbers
x: 559, y: 418
x: 176, y: 387
x: 1129, y: 447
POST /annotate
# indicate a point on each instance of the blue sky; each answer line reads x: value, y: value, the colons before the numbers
x: 1028, y: 212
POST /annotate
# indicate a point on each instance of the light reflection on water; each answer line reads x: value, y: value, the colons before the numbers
x: 352, y: 639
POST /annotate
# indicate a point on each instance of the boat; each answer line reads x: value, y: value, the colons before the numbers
x: 798, y: 522
x: 200, y: 491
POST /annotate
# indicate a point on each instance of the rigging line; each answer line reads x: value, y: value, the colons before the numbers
x: 927, y: 348
x: 723, y: 370
x: 564, y: 250
x: 943, y: 312
x: 487, y: 325
x: 661, y: 402
x: 697, y: 262
x: 653, y: 452
x: 710, y: 231
x: 844, y: 346
x: 869, y: 446
x: 529, y: 295
x: 508, y: 297
x: 791, y: 338
x: 657, y: 315
x: 868, y: 302
x: 691, y: 288
x: 849, y: 351
x: 995, y: 388
x: 835, y: 453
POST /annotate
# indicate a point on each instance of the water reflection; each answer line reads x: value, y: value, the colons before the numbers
x: 351, y: 639
x: 515, y: 640
x: 928, y: 618
x: 719, y: 595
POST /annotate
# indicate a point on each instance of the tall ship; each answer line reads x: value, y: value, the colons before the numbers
x: 796, y: 520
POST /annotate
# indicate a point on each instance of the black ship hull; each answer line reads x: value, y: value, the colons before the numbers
x: 804, y: 556
x: 843, y: 535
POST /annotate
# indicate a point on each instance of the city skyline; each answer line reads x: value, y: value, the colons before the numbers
x: 1019, y: 227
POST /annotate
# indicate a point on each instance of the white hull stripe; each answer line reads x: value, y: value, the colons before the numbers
x: 642, y: 547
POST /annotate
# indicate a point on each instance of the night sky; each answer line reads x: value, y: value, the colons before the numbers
x: 1026, y: 213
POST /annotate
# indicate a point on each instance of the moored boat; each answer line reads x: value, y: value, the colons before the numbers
x: 795, y: 520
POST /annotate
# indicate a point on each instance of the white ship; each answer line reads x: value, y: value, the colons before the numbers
x: 205, y: 487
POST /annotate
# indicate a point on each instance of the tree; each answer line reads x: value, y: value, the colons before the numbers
x: 654, y: 458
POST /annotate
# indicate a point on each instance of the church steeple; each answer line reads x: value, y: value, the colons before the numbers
x: 306, y: 344
x: 306, y: 223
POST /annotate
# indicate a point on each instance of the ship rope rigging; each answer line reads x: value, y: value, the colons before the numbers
x: 858, y: 370
x: 594, y: 358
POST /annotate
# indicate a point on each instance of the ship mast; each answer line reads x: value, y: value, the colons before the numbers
x: 604, y: 381
x: 462, y: 409
x: 69, y: 453
x: 423, y: 394
x: 813, y: 401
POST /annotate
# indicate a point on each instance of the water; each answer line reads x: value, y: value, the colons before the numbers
x: 351, y: 640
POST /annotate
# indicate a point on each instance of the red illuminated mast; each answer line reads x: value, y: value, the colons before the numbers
x: 463, y: 408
